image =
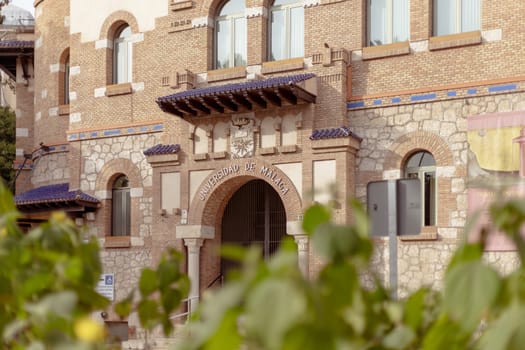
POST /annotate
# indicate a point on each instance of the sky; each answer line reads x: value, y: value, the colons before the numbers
x: 25, y: 4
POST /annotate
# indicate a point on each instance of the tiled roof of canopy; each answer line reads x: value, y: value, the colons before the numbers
x: 22, y: 44
x: 232, y: 96
x: 333, y: 133
x: 162, y: 149
x: 54, y: 196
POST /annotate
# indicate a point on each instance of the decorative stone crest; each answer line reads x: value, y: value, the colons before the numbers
x: 242, y: 136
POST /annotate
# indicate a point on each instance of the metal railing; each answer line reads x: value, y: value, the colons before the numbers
x: 219, y: 278
x: 190, y: 305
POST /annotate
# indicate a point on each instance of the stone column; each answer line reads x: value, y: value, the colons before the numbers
x: 294, y: 228
x: 194, y: 247
x: 303, y: 253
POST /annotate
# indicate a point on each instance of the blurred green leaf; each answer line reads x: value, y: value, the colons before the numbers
x: 470, y: 289
x: 123, y: 307
x: 269, y: 321
x: 314, y: 216
x: 399, y: 338
x: 148, y: 282
x: 148, y: 311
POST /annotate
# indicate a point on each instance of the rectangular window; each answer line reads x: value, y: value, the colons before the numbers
x: 240, y: 42
x: 122, y: 62
x: 65, y: 97
x: 286, y: 32
x: 223, y: 44
x: 278, y: 39
x: 121, y: 212
x: 456, y: 16
x: 428, y: 194
x: 388, y: 21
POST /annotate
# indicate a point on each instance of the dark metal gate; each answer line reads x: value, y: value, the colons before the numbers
x: 255, y: 215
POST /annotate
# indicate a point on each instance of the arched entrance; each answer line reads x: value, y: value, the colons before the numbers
x: 255, y: 215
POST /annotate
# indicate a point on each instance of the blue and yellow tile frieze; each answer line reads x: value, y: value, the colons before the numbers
x: 437, y: 95
x: 114, y: 131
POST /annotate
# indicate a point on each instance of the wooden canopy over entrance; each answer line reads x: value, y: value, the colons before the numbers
x: 241, y: 97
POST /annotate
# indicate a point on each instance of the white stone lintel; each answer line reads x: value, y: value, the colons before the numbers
x: 194, y: 231
x: 491, y: 35
x: 259, y: 11
x: 53, y: 111
x: 74, y: 70
x: 103, y: 194
x: 103, y: 44
x: 100, y: 92
x: 75, y: 117
x: 137, y: 86
x: 22, y: 132
x: 202, y: 22
x: 136, y: 192
x: 54, y: 68
x: 294, y: 228
x: 419, y: 46
x: 391, y: 174
x: 357, y: 55
x: 311, y: 3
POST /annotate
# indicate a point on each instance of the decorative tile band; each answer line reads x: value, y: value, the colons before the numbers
x: 437, y: 95
x: 127, y: 130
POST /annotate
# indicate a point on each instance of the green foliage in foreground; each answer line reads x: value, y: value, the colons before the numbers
x: 48, y: 278
x: 271, y: 306
x: 7, y: 142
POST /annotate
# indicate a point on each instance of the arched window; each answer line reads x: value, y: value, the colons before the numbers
x: 121, y: 207
x: 286, y: 29
x: 63, y: 79
x: 421, y: 165
x: 230, y: 35
x: 122, y: 55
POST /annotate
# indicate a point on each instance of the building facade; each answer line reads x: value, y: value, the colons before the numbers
x: 191, y: 124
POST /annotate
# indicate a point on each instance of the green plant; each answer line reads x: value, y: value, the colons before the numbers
x: 270, y: 305
x: 48, y: 279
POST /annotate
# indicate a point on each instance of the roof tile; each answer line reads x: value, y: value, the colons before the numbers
x: 234, y: 87
x: 333, y: 133
x: 22, y: 44
x: 162, y: 149
x: 53, y: 193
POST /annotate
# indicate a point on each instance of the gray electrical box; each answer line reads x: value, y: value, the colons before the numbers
x: 409, y: 208
x: 394, y: 207
x: 379, y: 206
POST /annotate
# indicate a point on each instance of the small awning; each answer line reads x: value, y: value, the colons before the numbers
x: 55, y: 197
x: 239, y: 97
x: 10, y: 50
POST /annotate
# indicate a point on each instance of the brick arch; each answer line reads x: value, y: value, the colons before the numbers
x: 204, y: 212
x: 112, y: 169
x: 408, y: 144
x: 114, y: 21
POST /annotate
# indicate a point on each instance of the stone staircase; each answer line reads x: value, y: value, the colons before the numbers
x: 153, y: 342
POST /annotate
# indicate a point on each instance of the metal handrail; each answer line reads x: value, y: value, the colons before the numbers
x: 189, y: 308
x: 191, y: 302
x: 220, y: 277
